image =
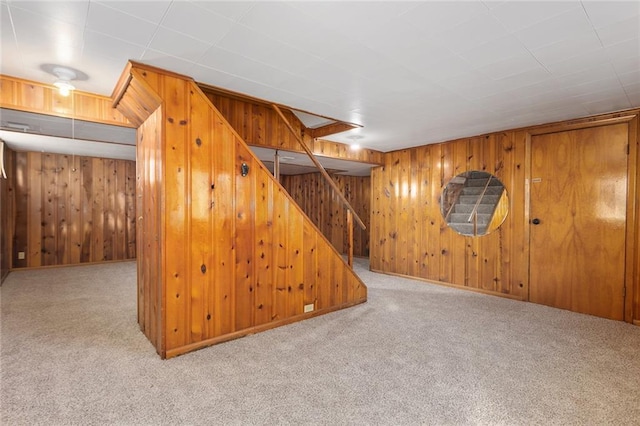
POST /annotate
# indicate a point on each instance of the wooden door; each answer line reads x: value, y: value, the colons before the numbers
x: 578, y: 219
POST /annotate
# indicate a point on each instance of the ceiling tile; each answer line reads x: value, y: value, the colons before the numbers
x: 71, y: 12
x: 461, y: 82
x: 607, y: 105
x: 11, y: 60
x: 233, y: 10
x: 619, y: 31
x: 579, y: 62
x: 437, y: 17
x: 600, y: 71
x: 525, y: 79
x: 152, y: 11
x: 211, y: 76
x: 566, y: 25
x: 626, y: 65
x: 110, y: 47
x: 32, y: 30
x: 481, y: 91
x: 516, y: 15
x: 251, y: 44
x: 634, y: 99
x: 242, y: 67
x: 495, y: 51
x: 483, y: 28
x: 103, y: 19
x: 625, y: 49
x: 280, y: 21
x: 6, y: 27
x: 101, y: 80
x: 596, y: 88
x: 631, y: 87
x: 167, y: 62
x: 362, y: 61
x: 510, y: 66
x: 178, y: 45
x: 348, y: 17
x: 563, y: 50
x: 602, y: 13
x: 196, y: 22
x: 630, y: 78
x: 329, y: 75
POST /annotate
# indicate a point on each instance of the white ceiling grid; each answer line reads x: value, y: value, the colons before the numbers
x: 410, y: 72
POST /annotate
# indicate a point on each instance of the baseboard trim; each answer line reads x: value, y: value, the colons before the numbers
x: 456, y: 286
x: 101, y: 262
x: 170, y: 353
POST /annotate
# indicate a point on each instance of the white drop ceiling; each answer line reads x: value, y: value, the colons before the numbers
x: 411, y: 73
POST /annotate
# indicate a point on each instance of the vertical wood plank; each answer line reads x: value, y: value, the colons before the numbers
x: 97, y: 210
x: 223, y: 227
x: 296, y: 287
x: 244, y: 237
x: 280, y: 253
x: 27, y: 211
x: 176, y: 226
x: 49, y: 218
x: 202, y: 267
x: 263, y: 249
x: 74, y: 211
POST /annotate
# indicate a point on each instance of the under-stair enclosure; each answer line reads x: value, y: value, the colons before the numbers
x: 223, y: 249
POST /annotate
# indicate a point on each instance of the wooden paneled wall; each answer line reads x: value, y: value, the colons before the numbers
x: 228, y: 255
x: 7, y: 215
x: 25, y: 95
x: 409, y: 236
x: 71, y: 210
x: 317, y: 199
x: 259, y: 125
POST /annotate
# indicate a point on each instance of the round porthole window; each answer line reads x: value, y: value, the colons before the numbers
x: 474, y: 203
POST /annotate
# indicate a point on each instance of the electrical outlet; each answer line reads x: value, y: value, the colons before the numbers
x: 20, y: 255
x: 308, y: 308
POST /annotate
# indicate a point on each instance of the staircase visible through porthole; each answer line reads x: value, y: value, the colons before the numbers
x: 476, y: 203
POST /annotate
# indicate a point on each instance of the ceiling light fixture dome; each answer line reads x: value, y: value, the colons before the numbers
x: 354, y: 142
x: 63, y: 83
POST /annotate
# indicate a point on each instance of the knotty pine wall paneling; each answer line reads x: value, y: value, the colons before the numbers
x: 259, y: 125
x: 409, y: 236
x: 322, y: 206
x: 30, y: 96
x: 230, y: 254
x: 7, y: 212
x: 71, y: 210
x: 149, y: 232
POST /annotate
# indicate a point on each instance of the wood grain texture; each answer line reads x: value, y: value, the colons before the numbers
x: 7, y: 212
x: 71, y: 210
x: 499, y: 262
x: 579, y: 194
x: 30, y: 96
x: 315, y: 198
x: 236, y: 254
x: 258, y: 125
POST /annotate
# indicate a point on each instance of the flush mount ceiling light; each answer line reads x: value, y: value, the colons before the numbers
x: 64, y: 77
x: 355, y: 145
x: 63, y: 83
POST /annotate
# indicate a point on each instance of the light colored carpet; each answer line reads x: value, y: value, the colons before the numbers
x: 415, y: 353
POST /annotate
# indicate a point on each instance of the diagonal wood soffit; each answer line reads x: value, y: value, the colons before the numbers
x: 316, y: 126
